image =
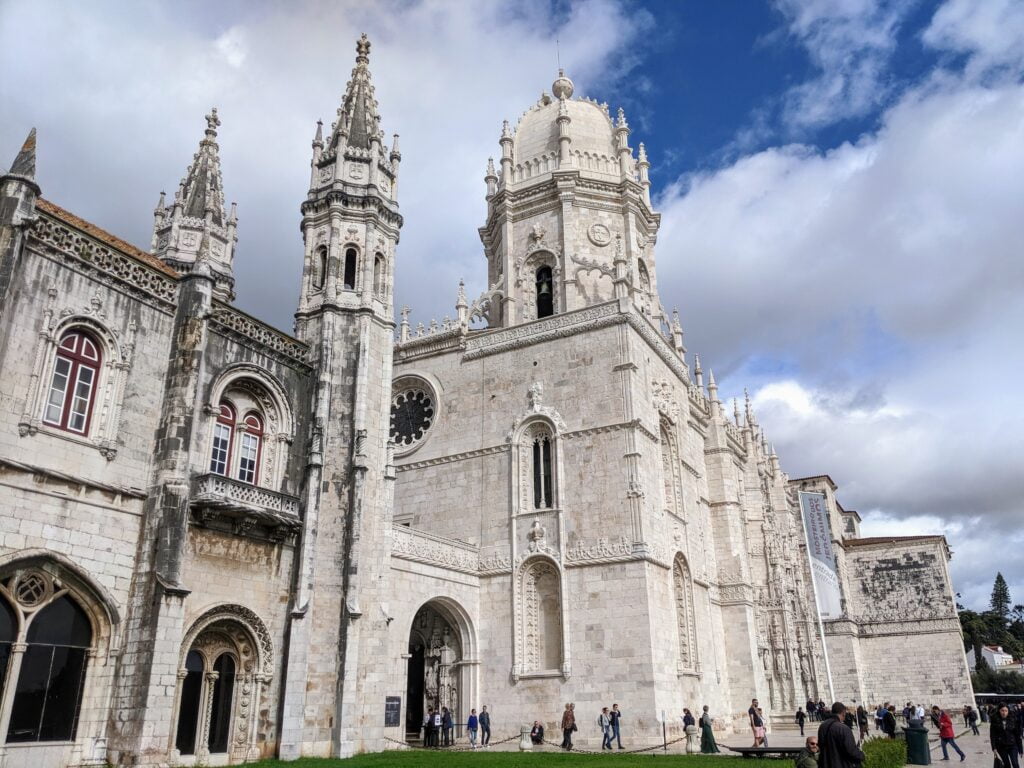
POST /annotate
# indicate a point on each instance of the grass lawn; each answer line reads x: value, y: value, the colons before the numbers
x: 416, y: 759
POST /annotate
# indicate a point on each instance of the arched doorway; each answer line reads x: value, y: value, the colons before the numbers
x: 439, y: 665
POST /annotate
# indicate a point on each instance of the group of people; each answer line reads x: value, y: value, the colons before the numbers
x: 439, y: 727
x: 834, y: 746
x: 608, y: 722
x: 708, y: 745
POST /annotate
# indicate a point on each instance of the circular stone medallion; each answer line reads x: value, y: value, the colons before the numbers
x: 599, y: 234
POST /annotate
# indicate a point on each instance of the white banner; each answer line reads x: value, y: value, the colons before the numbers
x: 821, y: 555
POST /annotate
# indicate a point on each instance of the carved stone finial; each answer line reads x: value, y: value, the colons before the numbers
x: 212, y: 123
x: 563, y: 86
x: 363, y: 49
x: 506, y: 132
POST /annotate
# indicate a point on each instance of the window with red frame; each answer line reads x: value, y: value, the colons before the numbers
x: 72, y: 394
x: 223, y: 430
x: 249, y: 449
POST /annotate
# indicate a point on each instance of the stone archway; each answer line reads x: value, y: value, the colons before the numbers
x: 439, y: 671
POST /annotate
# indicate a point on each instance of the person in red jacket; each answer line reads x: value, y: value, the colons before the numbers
x: 946, y: 733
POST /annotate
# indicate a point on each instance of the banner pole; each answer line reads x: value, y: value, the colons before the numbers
x: 817, y: 606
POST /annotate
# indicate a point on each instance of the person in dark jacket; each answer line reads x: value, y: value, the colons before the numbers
x: 1002, y: 737
x: 537, y: 732
x: 837, y: 747
x: 808, y: 758
x: 889, y: 721
x: 447, y: 727
x: 972, y: 720
x: 485, y: 726
x: 800, y: 718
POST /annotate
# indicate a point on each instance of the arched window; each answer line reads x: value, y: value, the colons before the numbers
x: 320, y: 268
x: 542, y: 617
x: 223, y: 432
x: 48, y: 691
x: 682, y: 587
x: 250, y: 440
x: 545, y: 293
x: 223, y: 698
x: 379, y: 275
x: 189, y: 708
x: 543, y: 488
x: 72, y: 394
x: 350, y: 269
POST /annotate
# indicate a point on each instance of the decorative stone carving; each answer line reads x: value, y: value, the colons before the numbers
x: 422, y: 547
x: 599, y: 235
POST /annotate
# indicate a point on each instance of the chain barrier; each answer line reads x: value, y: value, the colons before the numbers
x: 451, y: 747
x: 663, y: 745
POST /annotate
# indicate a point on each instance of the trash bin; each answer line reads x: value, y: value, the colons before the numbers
x: 917, y: 746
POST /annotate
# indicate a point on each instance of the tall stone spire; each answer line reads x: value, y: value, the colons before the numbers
x: 197, y: 214
x: 358, y: 122
x: 18, y: 194
x: 24, y: 165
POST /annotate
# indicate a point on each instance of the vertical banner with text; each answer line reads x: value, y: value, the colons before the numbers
x: 821, y: 555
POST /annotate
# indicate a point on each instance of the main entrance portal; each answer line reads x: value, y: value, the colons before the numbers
x: 435, y: 667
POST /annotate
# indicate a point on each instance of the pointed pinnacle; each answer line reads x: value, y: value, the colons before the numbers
x: 318, y: 139
x: 25, y: 163
x: 461, y: 299
x: 696, y: 363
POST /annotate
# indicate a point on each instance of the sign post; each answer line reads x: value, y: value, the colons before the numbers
x: 824, y: 579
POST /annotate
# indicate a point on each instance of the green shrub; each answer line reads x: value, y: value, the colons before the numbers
x: 884, y: 753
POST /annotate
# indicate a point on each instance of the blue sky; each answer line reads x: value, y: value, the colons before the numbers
x: 841, y: 184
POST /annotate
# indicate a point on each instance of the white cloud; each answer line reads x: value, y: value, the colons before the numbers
x: 991, y: 32
x: 849, y: 43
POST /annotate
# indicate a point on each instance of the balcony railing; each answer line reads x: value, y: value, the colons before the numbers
x: 222, y: 503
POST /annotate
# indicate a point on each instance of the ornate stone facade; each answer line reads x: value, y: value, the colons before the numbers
x: 257, y: 543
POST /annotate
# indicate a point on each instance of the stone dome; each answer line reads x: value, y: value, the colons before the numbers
x: 591, y: 129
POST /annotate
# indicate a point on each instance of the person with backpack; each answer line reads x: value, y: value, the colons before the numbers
x: 972, y: 720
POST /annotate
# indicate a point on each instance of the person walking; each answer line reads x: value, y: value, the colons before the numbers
x: 604, y: 722
x: 862, y: 723
x: 708, y: 746
x: 616, y: 716
x: 837, y: 747
x: 568, y: 726
x: 800, y: 718
x: 972, y: 720
x: 879, y: 718
x: 946, y: 733
x: 485, y: 726
x: 472, y: 725
x: 1002, y: 737
x: 808, y: 757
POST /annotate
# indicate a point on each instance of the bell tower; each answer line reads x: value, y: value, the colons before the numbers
x: 569, y: 216
x: 350, y: 226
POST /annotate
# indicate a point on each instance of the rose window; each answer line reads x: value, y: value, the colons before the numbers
x: 412, y: 413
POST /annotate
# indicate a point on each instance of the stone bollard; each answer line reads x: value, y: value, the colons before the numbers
x: 525, y: 745
x: 692, y: 742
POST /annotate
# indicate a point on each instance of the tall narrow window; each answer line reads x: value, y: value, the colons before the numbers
x: 378, y: 276
x: 223, y: 695
x: 48, y: 696
x: 220, y: 456
x: 545, y: 294
x: 191, y: 696
x: 8, y: 633
x: 320, y: 268
x: 542, y: 495
x: 69, y: 402
x: 350, y: 269
x: 249, y: 449
x: 683, y: 588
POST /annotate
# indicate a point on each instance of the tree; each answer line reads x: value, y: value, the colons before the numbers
x: 1000, y: 601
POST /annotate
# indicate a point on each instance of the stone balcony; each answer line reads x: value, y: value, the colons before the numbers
x: 230, y: 506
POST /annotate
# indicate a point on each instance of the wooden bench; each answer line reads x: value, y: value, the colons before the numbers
x: 778, y: 752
